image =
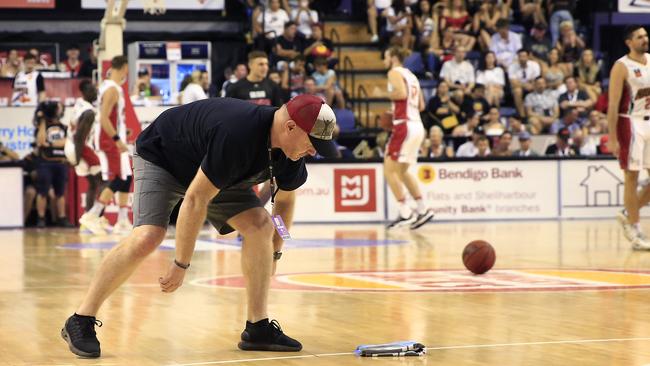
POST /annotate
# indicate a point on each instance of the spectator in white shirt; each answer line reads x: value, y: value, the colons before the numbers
x: 542, y: 108
x: 193, y: 91
x: 522, y: 76
x: 493, y: 77
x: 505, y: 43
x: 271, y: 21
x: 470, y: 149
x: 458, y: 72
x: 304, y: 18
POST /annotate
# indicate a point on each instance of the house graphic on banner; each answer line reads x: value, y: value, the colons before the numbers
x: 602, y: 187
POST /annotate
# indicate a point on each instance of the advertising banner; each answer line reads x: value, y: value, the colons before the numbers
x: 634, y: 6
x: 28, y: 4
x: 169, y: 4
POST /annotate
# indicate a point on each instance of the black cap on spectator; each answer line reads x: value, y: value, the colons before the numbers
x: 564, y: 134
x: 540, y: 26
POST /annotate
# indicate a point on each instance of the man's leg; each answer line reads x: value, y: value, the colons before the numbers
x: 630, y: 196
x: 257, y: 265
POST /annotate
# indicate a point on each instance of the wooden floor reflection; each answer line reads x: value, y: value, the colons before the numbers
x: 561, y: 293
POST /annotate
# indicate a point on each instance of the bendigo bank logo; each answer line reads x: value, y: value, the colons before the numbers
x: 354, y: 190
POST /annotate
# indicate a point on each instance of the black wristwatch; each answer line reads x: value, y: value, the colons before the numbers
x: 116, y: 137
x: 277, y: 255
x: 183, y: 266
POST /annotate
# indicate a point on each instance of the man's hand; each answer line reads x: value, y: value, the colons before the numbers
x: 122, y: 146
x: 173, y: 279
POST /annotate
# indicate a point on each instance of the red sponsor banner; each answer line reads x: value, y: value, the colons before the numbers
x: 354, y: 190
x: 28, y: 4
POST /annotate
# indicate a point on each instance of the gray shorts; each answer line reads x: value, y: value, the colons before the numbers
x: 156, y: 192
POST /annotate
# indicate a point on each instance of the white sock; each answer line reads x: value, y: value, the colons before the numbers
x: 420, y: 206
x: 97, y: 208
x: 404, y: 210
x: 123, y: 214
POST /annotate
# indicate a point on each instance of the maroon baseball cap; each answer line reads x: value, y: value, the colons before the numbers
x: 316, y: 118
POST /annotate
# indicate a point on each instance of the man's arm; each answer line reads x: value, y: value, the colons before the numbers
x: 616, y: 83
x: 285, y: 202
x: 40, y: 87
x: 191, y: 217
x: 108, y: 102
x: 397, y: 90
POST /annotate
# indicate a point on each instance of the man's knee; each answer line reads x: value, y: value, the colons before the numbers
x: 257, y: 224
x: 145, y: 240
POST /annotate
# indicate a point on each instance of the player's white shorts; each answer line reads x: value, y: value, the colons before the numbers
x: 405, y: 141
x: 634, y: 142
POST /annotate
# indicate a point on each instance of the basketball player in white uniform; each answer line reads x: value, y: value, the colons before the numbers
x: 28, y: 85
x: 113, y: 152
x: 405, y: 140
x: 628, y: 116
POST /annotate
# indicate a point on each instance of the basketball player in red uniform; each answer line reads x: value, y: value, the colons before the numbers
x: 113, y: 152
x: 404, y: 143
x: 628, y: 116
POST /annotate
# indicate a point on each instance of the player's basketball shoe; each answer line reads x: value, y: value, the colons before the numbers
x: 422, y: 219
x: 640, y: 241
x: 401, y: 221
x: 93, y: 223
x: 267, y: 336
x: 79, y: 332
x: 122, y: 227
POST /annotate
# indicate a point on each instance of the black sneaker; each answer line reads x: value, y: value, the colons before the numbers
x: 401, y: 221
x: 79, y: 332
x: 422, y: 219
x: 265, y: 336
x: 63, y: 222
x: 41, y: 224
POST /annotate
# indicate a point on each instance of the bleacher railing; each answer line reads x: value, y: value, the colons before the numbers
x: 361, y: 104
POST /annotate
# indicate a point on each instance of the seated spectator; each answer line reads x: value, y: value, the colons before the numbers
x: 485, y: 23
x: 560, y: 11
x: 6, y: 154
x: 424, y: 25
x: 542, y: 108
x: 72, y: 63
x: 524, y: 146
x: 28, y: 86
x: 476, y: 104
x: 444, y: 48
x: 312, y: 89
x: 326, y: 83
x: 466, y: 129
x: 470, y: 149
x: 505, y: 43
x: 319, y: 46
x: 522, y: 76
x: 193, y: 91
x: 293, y: 78
x: 375, y: 9
x: 398, y: 24
x: 270, y: 23
x: 287, y: 46
x: 41, y: 61
x: 570, y: 120
x: 12, y: 65
x: 241, y: 71
x: 603, y: 149
x: 482, y: 147
x: 304, y: 18
x: 584, y: 145
x: 515, y: 124
x: 554, y: 74
x: 570, y: 46
x: 502, y: 146
x: 493, y: 77
x: 493, y: 125
x: 532, y: 11
x: 539, y: 44
x: 596, y: 123
x: 589, y: 74
x: 51, y: 167
x: 458, y: 72
x: 434, y: 146
x: 562, y: 147
x: 441, y: 110
x: 576, y: 98
x: 456, y: 17
x: 143, y: 87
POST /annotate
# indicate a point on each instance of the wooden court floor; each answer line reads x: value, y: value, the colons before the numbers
x: 561, y: 293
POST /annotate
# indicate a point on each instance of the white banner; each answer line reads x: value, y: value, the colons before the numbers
x: 591, y: 188
x: 169, y: 4
x: 341, y: 192
x: 634, y: 6
x: 487, y: 190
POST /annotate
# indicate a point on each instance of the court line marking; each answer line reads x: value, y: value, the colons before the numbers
x: 493, y: 345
